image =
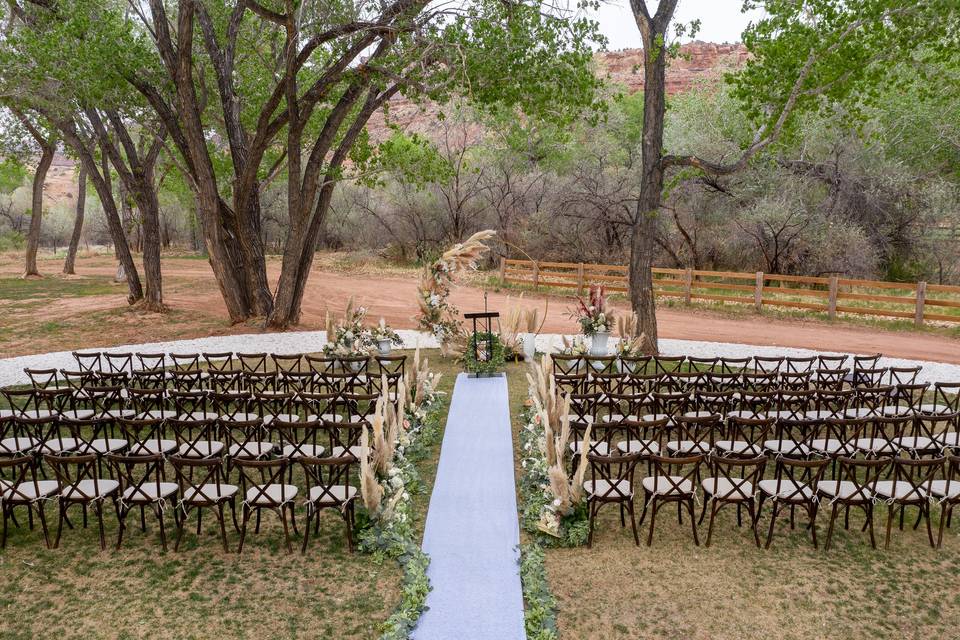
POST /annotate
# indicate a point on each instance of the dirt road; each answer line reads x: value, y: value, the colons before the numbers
x: 192, y: 293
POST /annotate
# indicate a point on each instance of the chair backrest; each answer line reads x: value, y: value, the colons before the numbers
x: 200, y: 479
x: 88, y: 361
x: 767, y: 364
x: 668, y: 364
x: 759, y: 381
x: 232, y: 406
x: 873, y: 377
x: 152, y: 361
x: 723, y: 380
x: 260, y: 477
x: 149, y: 378
x: 702, y: 363
x: 612, y: 475
x: 718, y: 402
x: 832, y: 402
x: 119, y: 362
x: 320, y: 363
x: 317, y: 403
x: 571, y: 383
x: 888, y: 428
x: 225, y: 381
x: 947, y: 394
x: 835, y: 361
x: 357, y: 365
x: 299, y: 382
x: 605, y: 383
x: 703, y: 430
x: 584, y: 406
x: 22, y: 484
x: 601, y: 364
x: 793, y: 404
x: 395, y: 364
x: 753, y: 431
x: 142, y: 434
x: 734, y: 478
x: 634, y: 364
x: 289, y: 363
x: 826, y: 378
x: 862, y: 474
x: 257, y: 382
x: 670, y: 403
x: 24, y: 403
x: 796, y: 380
x: 866, y: 361
x: 186, y: 380
x: 800, y: 365
x: 680, y: 381
x: 71, y: 471
x: 43, y: 378
x: 909, y: 396
x: 324, y: 474
x: 933, y: 425
x: 194, y: 437
x: 185, y: 361
x: 298, y: 439
x: 734, y: 365
x: 647, y: 434
x: 188, y: 402
x: 221, y: 362
x: 359, y: 406
x: 872, y: 399
x: 672, y: 473
x: 902, y: 375
x: 919, y: 473
x: 137, y: 475
x: 241, y: 433
x: 253, y: 362
x: 564, y: 364
x: 108, y: 401
x: 796, y: 478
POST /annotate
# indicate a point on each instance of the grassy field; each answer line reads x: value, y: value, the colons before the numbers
x: 675, y: 589
x: 77, y: 591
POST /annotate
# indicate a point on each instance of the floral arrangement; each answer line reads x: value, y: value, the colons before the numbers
x: 437, y: 315
x: 594, y: 315
x: 552, y: 501
x: 400, y: 434
x: 351, y: 337
x: 382, y: 332
x: 574, y: 347
x: 630, y: 344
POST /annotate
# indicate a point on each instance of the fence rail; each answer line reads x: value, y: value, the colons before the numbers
x: 830, y: 295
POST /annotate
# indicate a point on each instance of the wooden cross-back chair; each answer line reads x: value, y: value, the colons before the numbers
x: 203, y: 486
x: 794, y: 484
x: 674, y: 480
x: 264, y: 487
x: 90, y: 361
x: 152, y: 361
x: 142, y: 486
x: 78, y: 483
x: 911, y: 486
x: 328, y: 486
x: 24, y: 489
x: 146, y: 436
x: 565, y: 364
x: 855, y: 487
x: 732, y: 480
x: 611, y: 482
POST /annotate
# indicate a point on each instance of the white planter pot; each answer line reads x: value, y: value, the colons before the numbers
x: 356, y: 366
x: 624, y: 367
x: 384, y: 346
x: 529, y: 346
x: 598, y: 344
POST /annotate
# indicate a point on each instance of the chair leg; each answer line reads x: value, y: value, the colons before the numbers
x: 633, y: 522
x: 43, y: 523
x: 890, y: 516
x: 944, y: 513
x: 869, y: 510
x: 56, y: 542
x: 593, y: 515
x: 199, y: 520
x: 833, y: 517
x: 773, y: 521
x: 181, y: 529
x: 6, y: 515
x: 693, y: 521
x: 653, y: 518
x: 306, y: 530
x: 753, y: 521
x: 925, y: 510
x: 233, y: 513
x: 98, y: 507
x: 243, y: 527
x: 813, y: 524
x: 121, y: 519
x: 286, y: 529
x: 293, y: 520
x: 713, y: 516
x: 703, y: 511
x: 221, y: 516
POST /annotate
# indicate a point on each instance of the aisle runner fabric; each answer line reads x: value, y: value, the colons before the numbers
x: 472, y: 530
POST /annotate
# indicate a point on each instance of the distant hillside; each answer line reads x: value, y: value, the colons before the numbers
x: 699, y: 62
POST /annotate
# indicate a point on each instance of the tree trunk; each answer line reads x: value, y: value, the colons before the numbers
x: 149, y: 207
x: 36, y: 208
x: 68, y: 264
x: 654, y: 33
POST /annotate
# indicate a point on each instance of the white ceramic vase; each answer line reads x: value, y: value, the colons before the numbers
x: 384, y: 346
x: 529, y: 346
x: 598, y: 343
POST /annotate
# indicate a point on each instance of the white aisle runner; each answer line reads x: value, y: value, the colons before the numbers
x: 472, y: 530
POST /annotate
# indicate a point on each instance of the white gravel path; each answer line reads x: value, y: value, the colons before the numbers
x: 11, y: 369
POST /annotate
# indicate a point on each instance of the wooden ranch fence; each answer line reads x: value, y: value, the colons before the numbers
x: 831, y: 295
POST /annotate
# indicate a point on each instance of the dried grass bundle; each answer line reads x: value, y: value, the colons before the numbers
x: 370, y: 490
x: 511, y: 324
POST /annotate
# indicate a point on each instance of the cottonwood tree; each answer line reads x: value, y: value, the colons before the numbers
x: 804, y: 56
x: 244, y: 88
x: 69, y: 263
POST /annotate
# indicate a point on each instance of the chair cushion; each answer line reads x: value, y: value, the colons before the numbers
x: 209, y: 493
x: 157, y: 414
x: 899, y: 490
x: 113, y: 414
x: 859, y: 412
x: 948, y: 438
x: 28, y: 491
x: 688, y: 446
x: 726, y: 489
x: 632, y: 446
x: 77, y: 414
x: 738, y: 447
x: 56, y: 445
x: 896, y: 410
x: 290, y: 418
x: 934, y: 408
x: 832, y: 446
x: 107, y: 445
x: 607, y: 489
x: 147, y: 492
x: 337, y: 494
x: 17, y: 445
x: 201, y: 449
x: 153, y: 446
x: 240, y: 416
x: 945, y: 489
x: 844, y: 490
x: 875, y: 445
x: 272, y: 494
x: 819, y: 414
x: 661, y: 486
x: 339, y: 452
x: 698, y: 414
x: 250, y: 449
x: 785, y: 488
x: 299, y: 450
x: 198, y: 415
x: 916, y: 443
x: 600, y: 448
x: 786, y: 447
x: 745, y: 413
x: 88, y: 490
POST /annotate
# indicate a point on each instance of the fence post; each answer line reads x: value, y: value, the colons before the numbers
x: 758, y: 292
x: 687, y: 285
x: 832, y: 302
x: 921, y: 299
x: 503, y: 270
x: 536, y: 275
x: 580, y: 279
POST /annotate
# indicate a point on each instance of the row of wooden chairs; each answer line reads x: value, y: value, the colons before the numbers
x: 140, y: 482
x: 797, y: 482
x: 566, y: 364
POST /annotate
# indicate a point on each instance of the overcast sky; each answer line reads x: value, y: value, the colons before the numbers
x: 720, y: 21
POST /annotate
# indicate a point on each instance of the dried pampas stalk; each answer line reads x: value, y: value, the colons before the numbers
x: 370, y: 490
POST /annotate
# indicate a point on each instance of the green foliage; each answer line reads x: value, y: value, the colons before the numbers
x: 13, y: 173
x: 540, y: 605
x: 11, y: 241
x: 493, y: 346
x: 412, y: 159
